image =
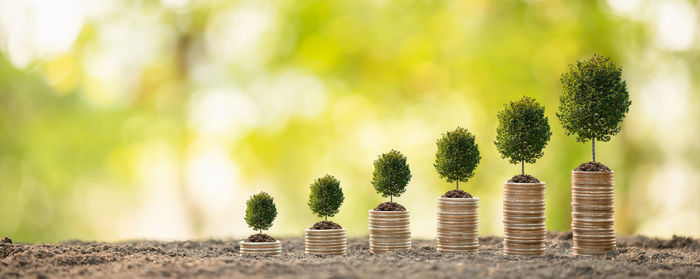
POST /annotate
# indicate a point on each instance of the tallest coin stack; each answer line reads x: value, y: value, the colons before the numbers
x: 592, y: 202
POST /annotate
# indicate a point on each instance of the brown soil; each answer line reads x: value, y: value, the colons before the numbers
x: 6, y: 240
x: 459, y: 194
x: 593, y: 167
x: 523, y: 178
x: 260, y: 237
x: 390, y: 206
x: 635, y: 257
x: 326, y: 225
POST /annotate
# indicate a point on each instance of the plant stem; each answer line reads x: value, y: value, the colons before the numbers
x: 522, y: 167
x: 593, y: 150
x: 260, y: 231
x: 391, y: 198
x: 326, y: 218
x: 457, y: 184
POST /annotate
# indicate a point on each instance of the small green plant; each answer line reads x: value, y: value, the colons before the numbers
x: 457, y: 156
x: 326, y: 196
x: 594, y: 100
x: 522, y: 132
x: 391, y: 174
x: 260, y: 211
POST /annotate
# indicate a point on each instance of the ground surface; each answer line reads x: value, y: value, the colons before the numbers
x: 635, y: 257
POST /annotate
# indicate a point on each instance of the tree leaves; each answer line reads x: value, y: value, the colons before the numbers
x: 457, y: 155
x: 260, y: 211
x: 326, y: 196
x: 523, y: 131
x: 391, y: 174
x: 594, y: 100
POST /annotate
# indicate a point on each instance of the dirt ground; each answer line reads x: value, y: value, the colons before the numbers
x: 635, y: 257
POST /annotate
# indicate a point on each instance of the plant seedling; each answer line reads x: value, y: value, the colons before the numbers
x: 391, y: 174
x: 523, y: 132
x: 457, y: 156
x: 260, y: 212
x: 325, y: 198
x: 594, y: 100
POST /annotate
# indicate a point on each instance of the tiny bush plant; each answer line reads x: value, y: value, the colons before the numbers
x: 391, y: 174
x: 260, y: 211
x: 326, y: 196
x: 594, y: 100
x: 522, y: 132
x: 457, y: 156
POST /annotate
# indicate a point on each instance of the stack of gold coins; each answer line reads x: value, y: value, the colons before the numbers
x: 389, y: 230
x: 261, y: 248
x: 523, y: 218
x: 592, y: 202
x: 458, y: 225
x: 325, y: 242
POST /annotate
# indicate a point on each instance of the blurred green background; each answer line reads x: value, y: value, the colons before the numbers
x: 158, y: 119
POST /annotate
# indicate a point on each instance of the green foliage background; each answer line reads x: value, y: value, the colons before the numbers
x: 159, y: 120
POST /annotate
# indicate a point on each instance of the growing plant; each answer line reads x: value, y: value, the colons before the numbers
x: 326, y: 196
x: 457, y: 156
x: 594, y: 100
x: 391, y: 174
x: 260, y: 211
x: 523, y: 132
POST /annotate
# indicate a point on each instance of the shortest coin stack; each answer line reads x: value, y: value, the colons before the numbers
x: 458, y: 225
x: 524, y: 219
x: 389, y: 230
x: 592, y: 202
x: 261, y: 248
x: 325, y: 242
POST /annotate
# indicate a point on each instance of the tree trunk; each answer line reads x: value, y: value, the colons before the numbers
x: 326, y: 218
x: 522, y: 167
x: 457, y: 184
x: 391, y: 198
x: 593, y: 150
x: 179, y: 109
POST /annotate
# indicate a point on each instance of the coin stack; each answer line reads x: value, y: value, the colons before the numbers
x: 457, y: 226
x: 389, y: 230
x: 592, y: 202
x: 261, y: 248
x: 523, y: 218
x: 325, y: 242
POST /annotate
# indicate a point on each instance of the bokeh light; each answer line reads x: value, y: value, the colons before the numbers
x: 158, y: 119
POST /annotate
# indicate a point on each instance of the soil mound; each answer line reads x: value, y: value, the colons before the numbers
x: 6, y: 240
x: 593, y: 167
x: 459, y: 194
x: 260, y: 237
x: 389, y: 206
x: 523, y: 178
x: 326, y: 225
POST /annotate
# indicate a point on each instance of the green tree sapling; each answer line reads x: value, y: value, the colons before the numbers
x: 594, y: 100
x: 457, y: 156
x: 391, y: 174
x: 260, y: 211
x: 522, y: 132
x: 326, y: 196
